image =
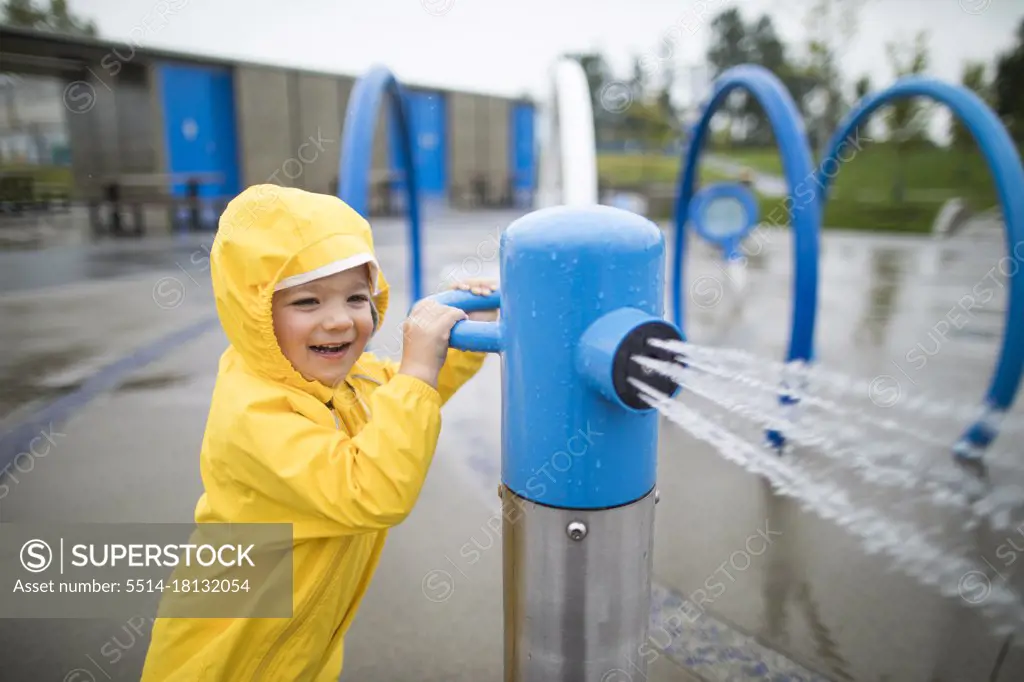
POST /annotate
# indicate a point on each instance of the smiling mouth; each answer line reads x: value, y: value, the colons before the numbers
x: 331, y: 350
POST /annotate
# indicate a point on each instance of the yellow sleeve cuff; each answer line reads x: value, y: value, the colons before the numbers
x: 418, y: 387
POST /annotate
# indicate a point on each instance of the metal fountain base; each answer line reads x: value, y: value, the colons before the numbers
x: 584, y: 578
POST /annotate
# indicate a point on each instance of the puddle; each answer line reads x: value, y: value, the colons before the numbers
x: 152, y: 382
x: 23, y: 383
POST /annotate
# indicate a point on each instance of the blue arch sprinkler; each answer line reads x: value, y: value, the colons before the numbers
x: 1005, y: 164
x: 802, y: 205
x: 357, y: 157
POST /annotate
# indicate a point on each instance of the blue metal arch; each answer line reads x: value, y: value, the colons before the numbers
x: 796, y: 162
x: 357, y: 156
x: 1005, y: 163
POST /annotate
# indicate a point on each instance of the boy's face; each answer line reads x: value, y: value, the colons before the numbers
x: 322, y: 327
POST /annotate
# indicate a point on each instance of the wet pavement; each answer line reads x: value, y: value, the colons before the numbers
x: 786, y: 595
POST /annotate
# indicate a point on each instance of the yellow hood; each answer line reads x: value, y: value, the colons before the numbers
x: 270, y: 233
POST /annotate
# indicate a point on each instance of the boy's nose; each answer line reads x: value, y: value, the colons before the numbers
x: 338, y: 319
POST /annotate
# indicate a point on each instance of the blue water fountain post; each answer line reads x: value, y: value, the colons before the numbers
x: 582, y: 292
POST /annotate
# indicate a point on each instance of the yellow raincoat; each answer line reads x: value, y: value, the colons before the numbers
x: 342, y: 465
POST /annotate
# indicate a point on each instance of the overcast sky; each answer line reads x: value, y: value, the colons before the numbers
x: 506, y: 46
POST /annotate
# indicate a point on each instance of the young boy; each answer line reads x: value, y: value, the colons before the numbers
x: 307, y: 429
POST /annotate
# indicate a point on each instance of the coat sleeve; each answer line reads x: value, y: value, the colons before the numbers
x: 459, y: 367
x: 329, y: 483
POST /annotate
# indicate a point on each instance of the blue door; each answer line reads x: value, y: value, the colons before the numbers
x: 429, y: 125
x: 522, y: 154
x: 199, y: 128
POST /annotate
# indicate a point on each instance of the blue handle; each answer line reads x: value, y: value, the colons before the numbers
x: 483, y: 337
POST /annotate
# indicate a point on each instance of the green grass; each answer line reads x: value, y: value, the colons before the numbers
x: 765, y: 160
x: 624, y: 170
x: 861, y: 195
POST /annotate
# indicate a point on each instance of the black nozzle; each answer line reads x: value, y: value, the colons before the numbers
x: 624, y: 368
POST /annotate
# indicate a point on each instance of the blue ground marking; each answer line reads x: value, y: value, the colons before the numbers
x: 17, y: 438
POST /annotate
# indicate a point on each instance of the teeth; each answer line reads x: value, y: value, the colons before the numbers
x: 336, y: 347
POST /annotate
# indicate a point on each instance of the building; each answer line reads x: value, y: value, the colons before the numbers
x: 85, y: 114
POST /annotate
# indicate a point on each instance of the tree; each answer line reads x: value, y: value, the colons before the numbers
x: 1008, y: 87
x: 973, y: 78
x: 56, y: 19
x: 664, y: 97
x: 831, y: 25
x: 649, y: 123
x: 729, y: 45
x: 638, y: 83
x: 733, y: 43
x: 597, y: 71
x: 862, y: 88
x: 765, y: 49
x: 907, y: 118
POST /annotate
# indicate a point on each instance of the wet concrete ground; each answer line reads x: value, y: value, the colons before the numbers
x: 812, y: 605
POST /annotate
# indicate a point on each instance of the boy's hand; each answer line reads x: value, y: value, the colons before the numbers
x: 480, y: 287
x: 427, y: 331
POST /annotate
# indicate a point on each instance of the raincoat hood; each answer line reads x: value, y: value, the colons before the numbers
x: 269, y: 237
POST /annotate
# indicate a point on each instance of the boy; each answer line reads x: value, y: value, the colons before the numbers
x: 307, y: 429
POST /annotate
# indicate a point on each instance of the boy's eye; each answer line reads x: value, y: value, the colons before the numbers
x: 359, y: 298
x: 305, y: 301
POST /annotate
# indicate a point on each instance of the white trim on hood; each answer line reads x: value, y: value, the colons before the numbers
x: 333, y: 269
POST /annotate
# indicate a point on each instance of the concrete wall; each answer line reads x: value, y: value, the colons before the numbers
x: 111, y: 126
x: 496, y: 143
x: 317, y: 131
x: 478, y: 148
x: 290, y: 123
x: 462, y: 146
x: 87, y: 150
x: 263, y: 110
x: 156, y: 108
x: 136, y: 125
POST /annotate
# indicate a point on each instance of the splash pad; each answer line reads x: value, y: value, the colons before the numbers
x: 813, y: 419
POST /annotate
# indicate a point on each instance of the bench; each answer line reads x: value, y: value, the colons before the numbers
x: 118, y: 204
